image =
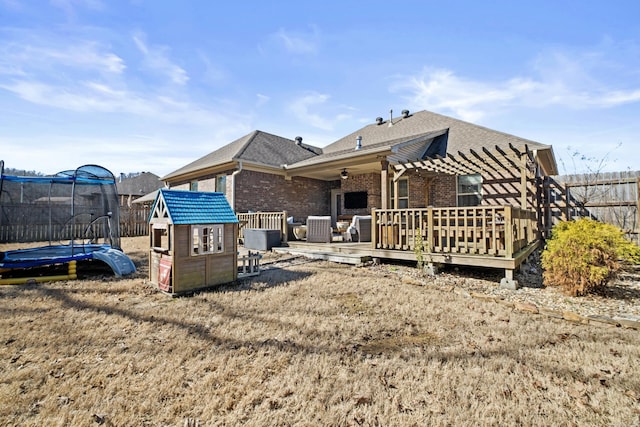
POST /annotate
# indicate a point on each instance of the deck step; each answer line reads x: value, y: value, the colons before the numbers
x: 341, y: 258
x: 340, y: 247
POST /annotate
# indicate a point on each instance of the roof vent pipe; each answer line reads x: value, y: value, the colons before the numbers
x: 358, y: 142
x: 379, y: 120
x: 390, y: 118
x: 405, y: 114
x: 298, y: 140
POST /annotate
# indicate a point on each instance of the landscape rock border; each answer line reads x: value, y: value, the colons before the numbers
x: 565, y: 315
x: 488, y: 289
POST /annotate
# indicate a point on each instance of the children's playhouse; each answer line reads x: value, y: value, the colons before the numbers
x: 193, y: 241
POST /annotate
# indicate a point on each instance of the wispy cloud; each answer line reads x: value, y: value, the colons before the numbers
x: 212, y: 74
x: 307, y: 108
x: 98, y: 97
x: 88, y: 76
x: 261, y: 99
x: 557, y: 79
x: 298, y: 42
x: 70, y: 6
x: 11, y: 4
x: 67, y: 4
x: 42, y: 54
x: 157, y: 59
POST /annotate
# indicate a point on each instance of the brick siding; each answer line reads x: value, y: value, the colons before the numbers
x: 300, y: 197
x: 443, y: 191
x: 364, y: 182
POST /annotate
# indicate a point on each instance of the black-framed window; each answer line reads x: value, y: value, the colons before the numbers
x: 469, y: 190
x: 403, y: 193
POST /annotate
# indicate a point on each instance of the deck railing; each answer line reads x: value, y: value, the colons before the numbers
x: 264, y: 220
x: 489, y: 230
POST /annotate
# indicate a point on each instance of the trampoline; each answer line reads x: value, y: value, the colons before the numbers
x: 46, y: 255
x: 75, y: 212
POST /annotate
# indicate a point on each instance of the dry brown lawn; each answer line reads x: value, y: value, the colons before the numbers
x: 312, y: 343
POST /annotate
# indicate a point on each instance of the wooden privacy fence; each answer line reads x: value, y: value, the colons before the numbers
x: 133, y: 222
x: 497, y: 230
x: 264, y: 220
x: 610, y: 197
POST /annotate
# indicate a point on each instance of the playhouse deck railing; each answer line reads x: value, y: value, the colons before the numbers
x: 489, y: 230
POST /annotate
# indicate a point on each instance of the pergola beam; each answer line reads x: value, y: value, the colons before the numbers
x: 494, y: 167
x: 498, y: 164
x: 461, y: 167
x: 480, y: 169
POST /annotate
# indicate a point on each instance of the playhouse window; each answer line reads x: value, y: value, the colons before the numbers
x: 207, y: 239
x: 160, y: 237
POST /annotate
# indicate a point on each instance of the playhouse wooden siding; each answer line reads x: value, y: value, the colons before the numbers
x: 185, y: 253
x: 188, y: 272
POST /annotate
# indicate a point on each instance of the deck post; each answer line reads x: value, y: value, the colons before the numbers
x: 523, y: 182
x: 507, y: 282
x: 284, y: 228
x: 508, y: 231
x: 384, y: 183
x: 430, y: 229
x: 374, y: 229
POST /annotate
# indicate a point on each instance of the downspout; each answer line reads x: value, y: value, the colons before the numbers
x: 233, y: 185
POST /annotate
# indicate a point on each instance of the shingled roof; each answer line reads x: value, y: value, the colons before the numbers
x: 413, y: 130
x: 404, y: 138
x: 139, y: 185
x: 256, y: 147
x: 462, y: 136
x: 193, y: 207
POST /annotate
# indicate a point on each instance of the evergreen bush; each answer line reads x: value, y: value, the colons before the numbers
x: 583, y: 255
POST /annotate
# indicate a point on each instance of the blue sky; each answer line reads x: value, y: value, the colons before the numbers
x: 146, y: 85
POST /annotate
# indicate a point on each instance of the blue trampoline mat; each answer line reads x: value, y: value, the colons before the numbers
x: 47, y: 255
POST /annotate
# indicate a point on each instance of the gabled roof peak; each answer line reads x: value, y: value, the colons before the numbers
x: 192, y: 207
x: 256, y: 147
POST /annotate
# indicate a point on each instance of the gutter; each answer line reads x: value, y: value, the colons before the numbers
x: 233, y: 185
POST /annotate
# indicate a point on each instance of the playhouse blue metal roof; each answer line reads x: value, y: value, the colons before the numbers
x: 196, y: 207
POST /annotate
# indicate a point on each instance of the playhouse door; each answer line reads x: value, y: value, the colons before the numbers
x: 164, y: 275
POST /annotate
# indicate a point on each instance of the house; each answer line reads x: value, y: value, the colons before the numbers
x: 423, y: 163
x: 250, y: 172
x: 193, y: 241
x: 262, y: 172
x: 135, y: 186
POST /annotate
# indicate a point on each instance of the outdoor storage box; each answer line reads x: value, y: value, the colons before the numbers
x: 261, y: 239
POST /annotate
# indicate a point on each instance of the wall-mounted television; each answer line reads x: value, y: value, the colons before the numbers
x: 355, y: 200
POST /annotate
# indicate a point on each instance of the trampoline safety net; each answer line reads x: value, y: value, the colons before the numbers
x: 71, y: 207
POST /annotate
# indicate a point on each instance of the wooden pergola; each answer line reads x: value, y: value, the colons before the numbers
x: 496, y: 164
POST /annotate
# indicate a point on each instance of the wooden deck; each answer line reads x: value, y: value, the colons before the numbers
x: 500, y: 237
x: 359, y: 253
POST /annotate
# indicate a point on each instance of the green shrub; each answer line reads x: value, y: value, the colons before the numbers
x: 583, y: 255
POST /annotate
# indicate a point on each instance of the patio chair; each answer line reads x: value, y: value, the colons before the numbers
x: 319, y: 229
x: 360, y: 228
